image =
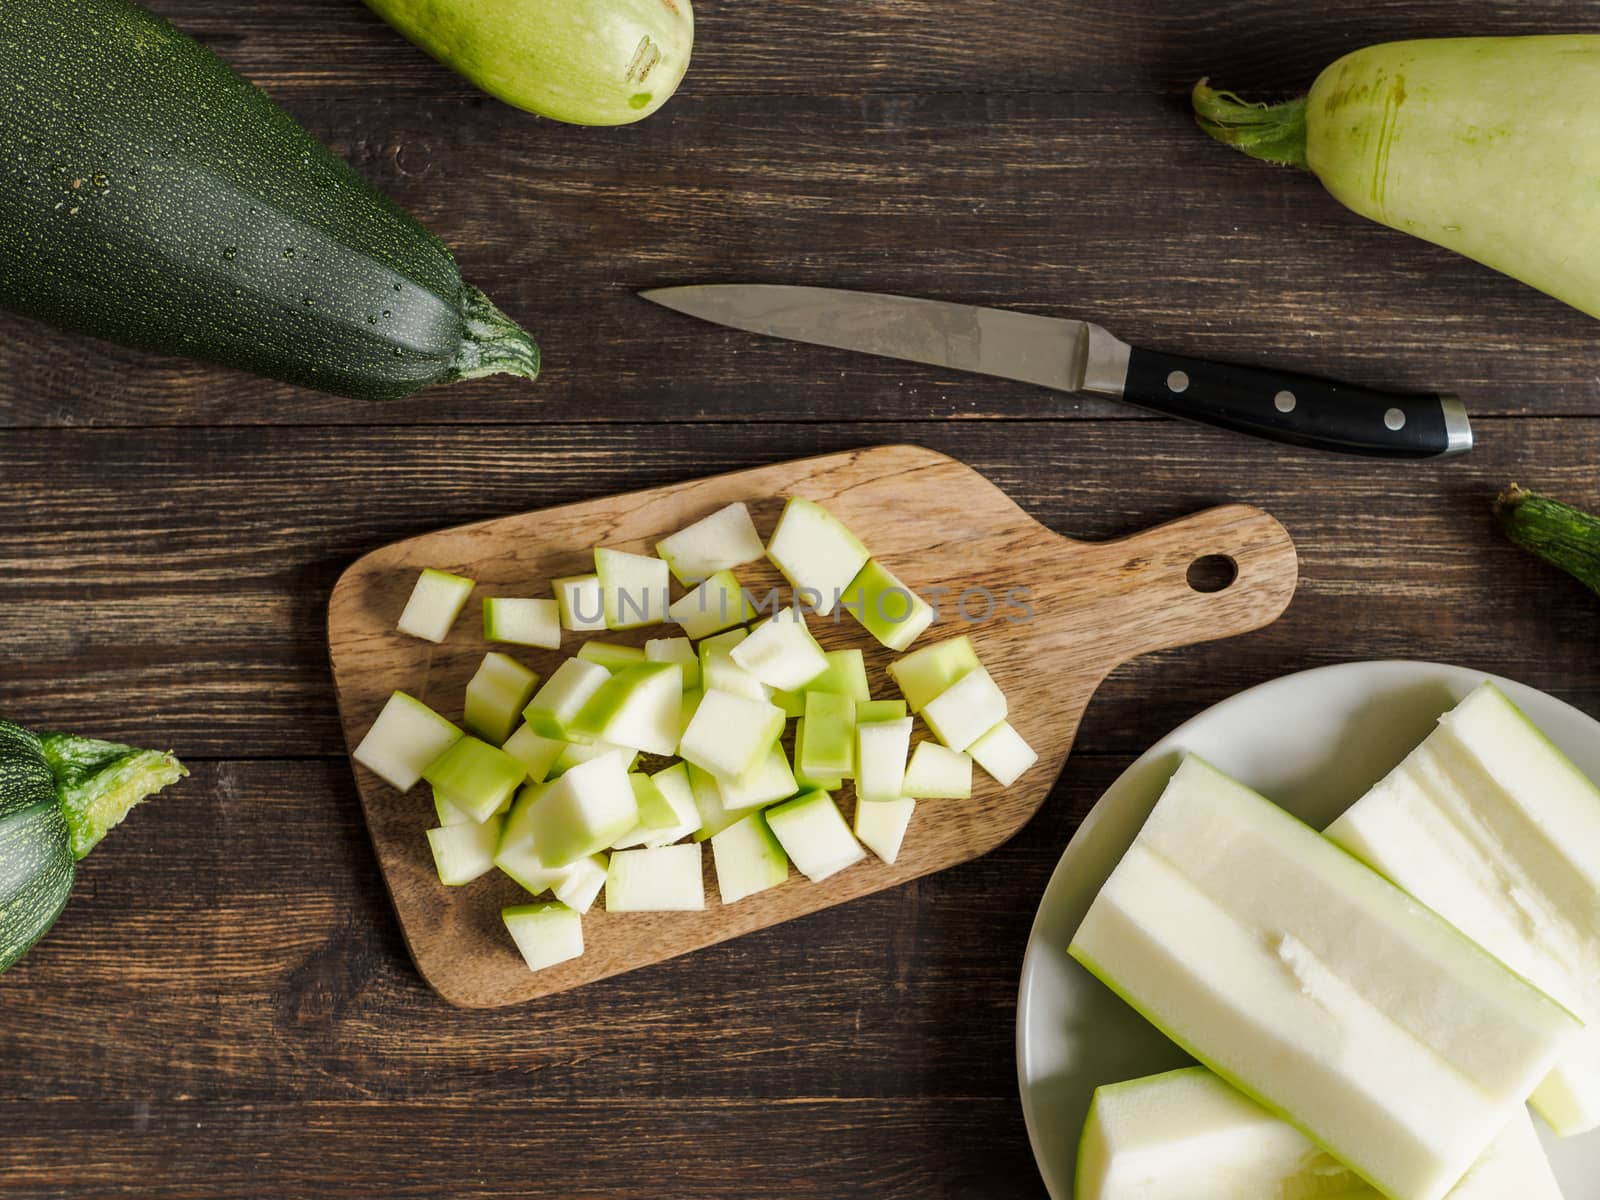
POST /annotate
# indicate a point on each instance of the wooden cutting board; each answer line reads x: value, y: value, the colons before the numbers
x: 936, y: 523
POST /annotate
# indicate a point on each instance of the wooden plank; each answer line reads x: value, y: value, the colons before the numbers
x: 1049, y: 617
x: 227, y: 1008
x: 172, y: 585
x: 1111, y: 208
x: 248, y: 901
x: 803, y: 47
x: 533, y: 1148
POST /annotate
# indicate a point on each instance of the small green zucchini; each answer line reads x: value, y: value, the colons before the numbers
x: 59, y: 795
x: 1487, y: 146
x: 151, y: 196
x: 1563, y: 536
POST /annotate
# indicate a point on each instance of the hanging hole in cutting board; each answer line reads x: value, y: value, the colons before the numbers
x: 1212, y: 573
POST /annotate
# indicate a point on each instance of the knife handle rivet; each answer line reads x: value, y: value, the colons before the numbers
x: 1284, y: 402
x: 1178, y: 381
x: 1395, y: 419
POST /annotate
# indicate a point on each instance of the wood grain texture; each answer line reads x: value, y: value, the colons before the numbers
x: 272, y: 1038
x: 1113, y: 208
x: 172, y: 584
x: 837, y: 1148
x: 806, y: 47
x: 228, y: 1008
x: 1050, y: 618
x: 251, y: 903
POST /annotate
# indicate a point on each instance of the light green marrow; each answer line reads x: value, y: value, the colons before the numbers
x: 587, y: 62
x: 1487, y: 146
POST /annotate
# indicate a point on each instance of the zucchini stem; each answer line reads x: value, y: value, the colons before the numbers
x: 1563, y: 536
x: 494, y: 345
x: 1274, y: 133
x: 101, y: 782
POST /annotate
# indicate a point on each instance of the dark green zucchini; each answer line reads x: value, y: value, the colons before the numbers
x: 151, y: 196
x: 1563, y: 536
x: 59, y: 795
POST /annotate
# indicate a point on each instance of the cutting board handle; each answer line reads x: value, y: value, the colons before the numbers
x: 1146, y: 592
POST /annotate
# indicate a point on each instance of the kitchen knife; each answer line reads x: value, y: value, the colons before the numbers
x: 1074, y: 356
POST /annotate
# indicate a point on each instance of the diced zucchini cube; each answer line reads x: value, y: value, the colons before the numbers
x: 610, y: 655
x: 448, y: 813
x: 845, y: 675
x: 679, y: 650
x: 545, y: 934
x: 816, y: 554
x: 580, y: 602
x: 522, y: 621
x: 582, y: 812
x: 727, y: 538
x: 966, y: 710
x: 674, y: 783
x: 770, y: 782
x: 869, y: 712
x: 814, y: 835
x: 1003, y: 753
x: 730, y: 735
x: 713, y: 605
x: 435, y: 603
x: 805, y: 782
x: 881, y: 825
x: 669, y: 788
x: 830, y: 744
x: 633, y: 588
x: 708, y: 803
x: 462, y: 853
x: 521, y: 863
x: 576, y: 753
x: 885, y: 607
x: 881, y: 749
x: 640, y: 708
x: 792, y: 703
x: 749, y: 859
x: 687, y: 709
x: 938, y: 773
x: 406, y: 737
x: 476, y: 777
x: 923, y: 674
x: 534, y: 751
x: 519, y: 859
x: 718, y: 671
x: 655, y: 810
x: 721, y: 642
x: 581, y: 882
x: 551, y: 711
x: 780, y: 652
x: 517, y: 832
x: 496, y: 696
x: 663, y: 879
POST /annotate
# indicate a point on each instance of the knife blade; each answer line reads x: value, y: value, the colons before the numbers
x: 1078, y: 356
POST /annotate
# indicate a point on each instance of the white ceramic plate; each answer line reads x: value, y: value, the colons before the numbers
x: 1313, y: 742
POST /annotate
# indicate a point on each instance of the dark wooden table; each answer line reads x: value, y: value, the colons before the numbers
x: 227, y: 1009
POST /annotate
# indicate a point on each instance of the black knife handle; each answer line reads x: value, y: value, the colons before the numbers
x: 1302, y: 410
